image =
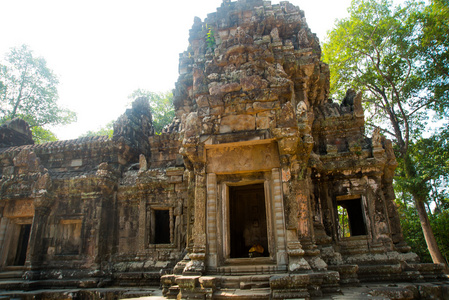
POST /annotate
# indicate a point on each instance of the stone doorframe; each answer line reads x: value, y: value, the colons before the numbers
x: 260, y: 165
x: 13, y: 215
x: 9, y: 238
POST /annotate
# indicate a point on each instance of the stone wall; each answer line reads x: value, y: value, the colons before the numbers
x: 256, y: 152
x: 15, y: 133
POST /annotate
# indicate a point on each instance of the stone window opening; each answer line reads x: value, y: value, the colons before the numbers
x: 351, y: 220
x: 69, y: 237
x: 161, y: 226
x: 22, y: 245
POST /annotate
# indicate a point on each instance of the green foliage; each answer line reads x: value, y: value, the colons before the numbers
x: 399, y: 57
x: 106, y: 130
x: 42, y: 135
x: 430, y: 159
x: 413, y: 234
x: 434, y: 41
x: 376, y: 50
x: 343, y: 222
x: 161, y: 105
x: 210, y: 38
x: 28, y: 90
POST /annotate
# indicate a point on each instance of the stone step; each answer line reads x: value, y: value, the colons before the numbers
x: 244, y: 281
x: 19, y: 284
x: 384, y: 272
x: 173, y: 292
x: 247, y: 269
x: 11, y: 274
x: 263, y: 293
x: 348, y: 273
x: 136, y: 278
x: 13, y: 284
x: 429, y: 271
x: 97, y: 293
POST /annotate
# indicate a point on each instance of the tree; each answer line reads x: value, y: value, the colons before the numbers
x: 106, y: 130
x: 414, y: 235
x: 384, y: 51
x: 28, y: 90
x: 434, y: 41
x: 162, y: 110
x: 161, y: 105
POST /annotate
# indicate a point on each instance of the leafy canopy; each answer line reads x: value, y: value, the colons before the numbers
x: 28, y: 90
x: 162, y: 110
x: 434, y: 42
x: 108, y: 130
x: 161, y: 105
x: 384, y: 51
x: 399, y: 57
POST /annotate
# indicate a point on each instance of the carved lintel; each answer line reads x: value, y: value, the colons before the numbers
x: 235, y: 158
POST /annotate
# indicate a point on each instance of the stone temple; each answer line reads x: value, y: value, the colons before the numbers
x: 260, y: 185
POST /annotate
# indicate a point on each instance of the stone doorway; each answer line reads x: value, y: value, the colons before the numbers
x: 248, y: 221
x: 22, y: 245
x: 351, y: 218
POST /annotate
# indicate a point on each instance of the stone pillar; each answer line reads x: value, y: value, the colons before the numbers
x: 395, y: 228
x: 301, y: 176
x: 143, y: 231
x: 172, y: 226
x: 212, y: 220
x: 4, y: 224
x: 381, y: 233
x: 35, y: 246
x: 305, y: 224
x: 328, y: 213
x: 102, y: 227
x: 295, y: 195
x: 196, y: 265
x: 278, y: 219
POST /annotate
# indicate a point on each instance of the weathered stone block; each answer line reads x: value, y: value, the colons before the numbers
x: 234, y: 123
x: 187, y: 282
x: 175, y: 171
x: 175, y: 179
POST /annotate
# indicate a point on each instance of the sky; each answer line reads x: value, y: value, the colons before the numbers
x: 102, y: 51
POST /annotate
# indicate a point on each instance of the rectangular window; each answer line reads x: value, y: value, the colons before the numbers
x: 69, y: 237
x: 160, y: 232
x: 350, y: 217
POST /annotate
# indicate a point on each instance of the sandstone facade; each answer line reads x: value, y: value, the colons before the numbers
x: 256, y: 158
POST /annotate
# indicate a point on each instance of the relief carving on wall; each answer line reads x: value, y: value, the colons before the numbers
x: 227, y: 159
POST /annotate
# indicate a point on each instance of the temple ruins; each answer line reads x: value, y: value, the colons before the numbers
x: 261, y: 184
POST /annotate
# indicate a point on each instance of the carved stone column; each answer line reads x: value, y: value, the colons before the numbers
x: 288, y: 147
x: 193, y: 152
x: 4, y: 223
x: 212, y: 219
x: 196, y: 265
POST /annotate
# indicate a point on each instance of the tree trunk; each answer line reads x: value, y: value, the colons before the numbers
x: 431, y: 242
x: 419, y: 193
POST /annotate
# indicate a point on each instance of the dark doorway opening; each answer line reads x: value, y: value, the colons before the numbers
x: 350, y: 217
x: 22, y: 245
x: 161, y: 227
x: 248, y: 222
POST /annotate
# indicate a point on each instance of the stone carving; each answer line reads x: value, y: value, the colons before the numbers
x: 15, y: 133
x: 255, y: 135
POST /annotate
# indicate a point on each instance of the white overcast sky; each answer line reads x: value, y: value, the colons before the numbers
x: 104, y: 50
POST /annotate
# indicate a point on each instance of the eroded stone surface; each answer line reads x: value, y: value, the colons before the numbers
x: 248, y: 179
